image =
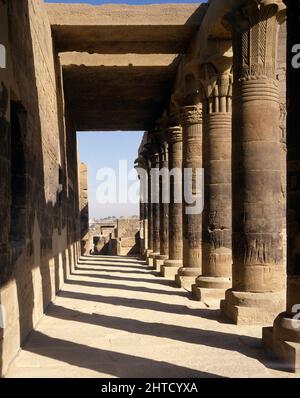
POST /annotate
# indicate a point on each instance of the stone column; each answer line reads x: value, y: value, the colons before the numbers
x: 141, y: 228
x: 258, y: 273
x: 164, y: 207
x: 141, y: 165
x: 155, y: 204
x: 170, y: 266
x: 148, y: 207
x: 191, y: 119
x: 84, y: 211
x: 144, y: 201
x: 284, y: 337
x: 145, y: 228
x: 217, y: 214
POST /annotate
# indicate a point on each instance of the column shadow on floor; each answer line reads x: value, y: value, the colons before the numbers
x: 163, y: 282
x: 132, y: 303
x: 108, y: 362
x: 251, y: 347
x: 117, y: 271
x: 113, y: 260
x: 98, y: 267
x: 102, y: 285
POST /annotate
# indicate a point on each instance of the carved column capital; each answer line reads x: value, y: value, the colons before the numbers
x: 154, y: 155
x: 162, y: 138
x: 245, y: 13
x: 217, y: 88
x: 140, y: 162
x: 254, y: 24
x: 215, y: 83
x: 191, y: 114
x: 174, y: 134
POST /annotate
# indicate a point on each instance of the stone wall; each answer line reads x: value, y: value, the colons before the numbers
x: 39, y: 201
x: 122, y: 239
x: 128, y: 235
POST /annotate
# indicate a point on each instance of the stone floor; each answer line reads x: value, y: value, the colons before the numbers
x: 115, y: 318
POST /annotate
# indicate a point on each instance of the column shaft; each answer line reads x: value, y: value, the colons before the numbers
x: 155, y: 204
x: 192, y: 223
x: 258, y: 273
x: 170, y: 267
x: 149, y: 211
x: 145, y: 227
x: 284, y: 337
x: 217, y: 215
x: 164, y: 207
x: 142, y: 235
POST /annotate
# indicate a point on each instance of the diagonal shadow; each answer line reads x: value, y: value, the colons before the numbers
x: 108, y: 362
x: 124, y: 287
x: 132, y: 303
x: 118, y: 271
x: 109, y: 259
x: 114, y: 265
x: 251, y: 347
x: 161, y: 281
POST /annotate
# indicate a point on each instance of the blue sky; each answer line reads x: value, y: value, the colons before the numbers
x: 104, y: 150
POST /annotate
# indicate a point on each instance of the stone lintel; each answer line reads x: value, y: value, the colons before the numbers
x: 77, y: 59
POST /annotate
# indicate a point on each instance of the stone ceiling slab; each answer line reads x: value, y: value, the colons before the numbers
x: 112, y: 29
x: 104, y: 95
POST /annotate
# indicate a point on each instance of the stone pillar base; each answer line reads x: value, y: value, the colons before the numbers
x: 170, y: 268
x: 210, y: 288
x: 186, y: 277
x: 186, y: 282
x: 283, y: 339
x: 245, y: 308
x: 159, y: 260
x: 203, y: 294
x: 150, y: 259
x: 147, y: 255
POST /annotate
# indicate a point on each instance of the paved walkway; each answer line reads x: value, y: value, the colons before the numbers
x: 115, y: 318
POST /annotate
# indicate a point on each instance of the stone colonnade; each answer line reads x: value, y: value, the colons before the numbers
x: 233, y: 249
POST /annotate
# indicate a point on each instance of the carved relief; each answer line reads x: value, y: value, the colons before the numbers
x: 191, y: 115
x: 174, y: 134
x: 255, y: 28
x: 217, y: 88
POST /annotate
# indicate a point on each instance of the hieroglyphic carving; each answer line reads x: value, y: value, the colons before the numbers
x: 191, y: 120
x: 256, y: 165
x: 174, y: 135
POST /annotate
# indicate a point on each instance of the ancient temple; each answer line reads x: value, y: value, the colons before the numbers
x: 207, y: 83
